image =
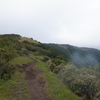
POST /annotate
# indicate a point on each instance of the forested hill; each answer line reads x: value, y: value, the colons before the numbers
x: 80, y: 56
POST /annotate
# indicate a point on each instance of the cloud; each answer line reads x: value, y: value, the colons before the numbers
x: 73, y: 22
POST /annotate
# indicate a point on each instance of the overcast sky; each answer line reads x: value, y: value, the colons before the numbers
x: 75, y: 22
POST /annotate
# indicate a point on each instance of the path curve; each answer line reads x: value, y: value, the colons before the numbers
x: 35, y: 83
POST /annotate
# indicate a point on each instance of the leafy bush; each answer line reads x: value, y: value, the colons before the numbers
x: 58, y: 61
x: 58, y: 68
x: 46, y: 58
x: 6, y: 70
x: 84, y: 82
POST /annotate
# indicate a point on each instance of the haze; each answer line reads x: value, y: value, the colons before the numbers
x: 75, y: 22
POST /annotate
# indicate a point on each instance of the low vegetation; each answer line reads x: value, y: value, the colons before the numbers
x: 83, y: 82
x: 20, y: 61
x: 54, y: 87
x: 82, y: 73
x: 77, y: 68
x: 16, y: 87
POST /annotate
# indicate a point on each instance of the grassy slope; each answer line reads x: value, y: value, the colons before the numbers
x: 10, y: 88
x: 54, y: 87
x: 28, y: 39
x: 17, y: 82
x: 21, y: 60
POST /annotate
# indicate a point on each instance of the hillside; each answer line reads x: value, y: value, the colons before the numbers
x: 60, y: 72
x: 82, y: 73
x: 17, y: 56
x: 81, y: 57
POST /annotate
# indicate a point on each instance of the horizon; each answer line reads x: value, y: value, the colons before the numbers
x: 57, y: 43
x: 72, y: 22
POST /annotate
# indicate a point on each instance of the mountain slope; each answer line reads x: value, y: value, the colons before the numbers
x: 81, y: 57
x: 15, y: 54
x: 78, y: 68
x: 82, y: 73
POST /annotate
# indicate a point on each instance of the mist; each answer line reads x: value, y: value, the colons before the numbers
x: 85, y: 59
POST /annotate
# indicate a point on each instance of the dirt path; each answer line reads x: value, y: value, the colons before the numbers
x: 35, y: 83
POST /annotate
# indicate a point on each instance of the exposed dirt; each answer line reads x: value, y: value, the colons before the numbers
x: 35, y: 83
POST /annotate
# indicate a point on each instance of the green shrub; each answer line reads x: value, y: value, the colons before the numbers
x: 46, y: 58
x: 58, y: 68
x: 83, y: 82
x: 58, y: 61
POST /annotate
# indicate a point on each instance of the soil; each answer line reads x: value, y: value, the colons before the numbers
x: 35, y: 83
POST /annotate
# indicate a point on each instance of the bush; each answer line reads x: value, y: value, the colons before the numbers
x: 84, y: 82
x: 45, y: 59
x: 58, y: 68
x: 6, y: 70
x: 58, y: 61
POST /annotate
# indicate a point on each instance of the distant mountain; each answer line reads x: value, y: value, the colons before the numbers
x: 80, y: 56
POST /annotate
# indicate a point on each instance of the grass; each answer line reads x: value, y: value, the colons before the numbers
x: 29, y: 40
x: 54, y: 87
x: 21, y: 60
x: 16, y: 87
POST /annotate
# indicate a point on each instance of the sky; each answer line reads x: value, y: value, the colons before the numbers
x: 74, y: 22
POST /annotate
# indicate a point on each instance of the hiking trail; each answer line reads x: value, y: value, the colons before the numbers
x: 35, y: 83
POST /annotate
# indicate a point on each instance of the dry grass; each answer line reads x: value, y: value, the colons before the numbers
x: 28, y: 39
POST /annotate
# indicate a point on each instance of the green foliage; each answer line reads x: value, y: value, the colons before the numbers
x: 15, y: 87
x: 30, y: 40
x: 82, y: 77
x: 84, y: 82
x: 7, y: 52
x: 57, y: 69
x: 61, y: 50
x: 58, y: 61
x: 52, y: 66
x: 12, y: 48
x: 81, y: 57
x: 45, y: 59
x: 54, y: 87
x: 6, y: 70
x: 20, y: 61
